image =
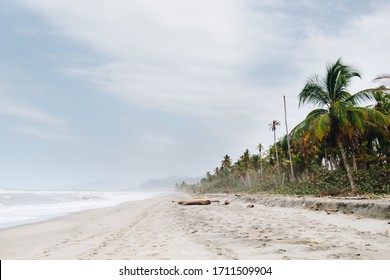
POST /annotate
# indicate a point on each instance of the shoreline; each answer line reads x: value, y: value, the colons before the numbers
x: 157, y: 228
x: 29, y: 207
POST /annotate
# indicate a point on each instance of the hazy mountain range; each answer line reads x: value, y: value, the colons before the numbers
x: 152, y: 184
x: 169, y: 182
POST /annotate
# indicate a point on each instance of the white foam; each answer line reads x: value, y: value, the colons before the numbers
x: 23, y: 207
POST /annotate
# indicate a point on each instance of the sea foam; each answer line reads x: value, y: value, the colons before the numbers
x: 23, y: 207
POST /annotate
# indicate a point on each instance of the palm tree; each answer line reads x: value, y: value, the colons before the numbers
x: 272, y: 126
x: 382, y: 99
x: 382, y: 94
x: 244, y: 165
x: 288, y: 139
x: 260, y: 148
x: 226, y: 163
x: 256, y: 163
x: 246, y: 159
x: 338, y: 119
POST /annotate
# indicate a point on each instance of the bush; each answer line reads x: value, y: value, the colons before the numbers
x: 376, y: 180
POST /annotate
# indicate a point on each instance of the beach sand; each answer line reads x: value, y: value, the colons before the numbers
x: 159, y: 228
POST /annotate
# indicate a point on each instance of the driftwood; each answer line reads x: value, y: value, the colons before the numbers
x: 328, y: 211
x: 194, y: 202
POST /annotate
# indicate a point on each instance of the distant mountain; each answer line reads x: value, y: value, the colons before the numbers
x: 168, y: 182
x: 149, y: 185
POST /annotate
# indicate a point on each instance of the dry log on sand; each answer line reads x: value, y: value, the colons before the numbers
x: 328, y: 211
x: 194, y: 202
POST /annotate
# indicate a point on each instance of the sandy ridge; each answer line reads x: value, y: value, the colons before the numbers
x: 359, y: 206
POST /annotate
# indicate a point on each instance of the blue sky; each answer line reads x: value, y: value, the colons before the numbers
x: 131, y: 90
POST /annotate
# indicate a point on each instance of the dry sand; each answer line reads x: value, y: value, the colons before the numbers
x: 157, y: 228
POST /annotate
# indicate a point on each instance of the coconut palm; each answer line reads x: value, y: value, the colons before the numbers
x: 246, y: 160
x: 382, y: 94
x: 338, y: 119
x: 272, y: 126
x: 260, y: 148
x: 226, y: 163
x: 382, y: 99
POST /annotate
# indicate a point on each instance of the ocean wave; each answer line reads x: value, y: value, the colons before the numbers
x: 22, y: 207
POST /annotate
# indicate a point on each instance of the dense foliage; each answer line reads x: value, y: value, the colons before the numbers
x: 339, y: 148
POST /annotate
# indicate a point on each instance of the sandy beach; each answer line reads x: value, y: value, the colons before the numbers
x: 159, y: 228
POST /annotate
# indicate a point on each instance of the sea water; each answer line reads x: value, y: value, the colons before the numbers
x: 24, y: 207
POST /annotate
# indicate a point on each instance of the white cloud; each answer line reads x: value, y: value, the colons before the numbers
x: 13, y: 107
x: 178, y: 56
x: 57, y: 134
x: 26, y: 31
x: 362, y: 41
x: 50, y: 126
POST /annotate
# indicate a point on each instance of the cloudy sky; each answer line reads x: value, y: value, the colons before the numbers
x: 128, y: 90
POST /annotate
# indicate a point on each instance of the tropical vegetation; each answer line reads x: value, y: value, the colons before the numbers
x: 341, y: 147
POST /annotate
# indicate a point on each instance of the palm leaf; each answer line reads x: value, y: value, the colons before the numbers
x: 362, y: 96
x: 322, y: 126
x: 313, y: 93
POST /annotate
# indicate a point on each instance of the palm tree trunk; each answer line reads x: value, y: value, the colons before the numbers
x: 354, y: 164
x: 276, y: 151
x: 333, y: 163
x: 227, y: 185
x: 326, y: 160
x: 346, y: 165
x: 261, y: 167
x: 288, y: 140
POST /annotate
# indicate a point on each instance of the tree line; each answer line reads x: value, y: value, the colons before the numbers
x: 341, y: 146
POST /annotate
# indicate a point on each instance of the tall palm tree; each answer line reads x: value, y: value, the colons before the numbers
x: 338, y: 119
x: 245, y: 164
x: 260, y: 148
x: 226, y: 163
x: 246, y: 159
x: 272, y: 126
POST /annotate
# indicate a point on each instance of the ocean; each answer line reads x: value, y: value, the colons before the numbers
x: 24, y: 207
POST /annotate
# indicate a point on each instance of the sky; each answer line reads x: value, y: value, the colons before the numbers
x: 123, y: 91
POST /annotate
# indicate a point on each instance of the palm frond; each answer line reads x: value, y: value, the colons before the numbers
x: 338, y: 112
x: 322, y: 126
x: 357, y: 116
x: 362, y: 96
x: 313, y: 93
x: 376, y: 117
x: 307, y: 123
x: 384, y: 78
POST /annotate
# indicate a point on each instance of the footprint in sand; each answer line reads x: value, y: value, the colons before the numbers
x: 280, y: 251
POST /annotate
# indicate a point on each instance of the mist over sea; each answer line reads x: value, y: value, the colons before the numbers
x: 24, y: 207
